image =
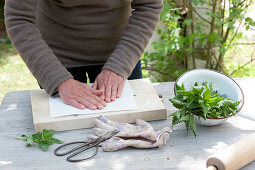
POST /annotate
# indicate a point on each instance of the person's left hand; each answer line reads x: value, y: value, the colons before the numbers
x: 111, y: 83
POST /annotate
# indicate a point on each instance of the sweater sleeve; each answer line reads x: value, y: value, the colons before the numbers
x: 20, y: 18
x: 135, y: 38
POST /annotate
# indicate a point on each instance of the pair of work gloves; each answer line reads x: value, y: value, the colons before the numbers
x: 141, y: 135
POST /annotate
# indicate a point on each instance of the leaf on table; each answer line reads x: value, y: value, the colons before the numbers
x: 44, y: 139
x: 47, y: 134
x: 29, y: 141
x: 44, y: 146
x: 37, y: 135
x: 54, y: 140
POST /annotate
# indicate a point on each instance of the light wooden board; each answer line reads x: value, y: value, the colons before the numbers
x: 149, y: 105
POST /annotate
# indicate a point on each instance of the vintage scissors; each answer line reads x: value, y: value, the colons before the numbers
x: 84, y: 146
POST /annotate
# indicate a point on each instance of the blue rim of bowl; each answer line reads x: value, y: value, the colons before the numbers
x: 219, y: 73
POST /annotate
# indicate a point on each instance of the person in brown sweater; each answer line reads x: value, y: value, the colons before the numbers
x: 58, y: 38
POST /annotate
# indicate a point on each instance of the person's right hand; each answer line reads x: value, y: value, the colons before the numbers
x: 80, y: 95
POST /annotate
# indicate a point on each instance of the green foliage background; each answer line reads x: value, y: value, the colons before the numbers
x: 170, y: 58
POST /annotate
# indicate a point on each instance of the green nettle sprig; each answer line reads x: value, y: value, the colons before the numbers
x: 44, y: 139
x: 202, y: 101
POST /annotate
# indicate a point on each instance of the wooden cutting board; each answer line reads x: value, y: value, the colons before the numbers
x: 149, y: 106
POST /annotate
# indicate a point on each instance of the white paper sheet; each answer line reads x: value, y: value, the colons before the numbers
x: 126, y: 102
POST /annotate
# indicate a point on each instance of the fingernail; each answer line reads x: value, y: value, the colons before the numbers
x: 108, y: 100
x: 104, y: 103
x: 113, y: 98
x: 82, y: 107
x: 94, y: 108
x: 100, y: 107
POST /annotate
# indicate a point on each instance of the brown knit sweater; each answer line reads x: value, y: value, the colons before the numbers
x: 51, y: 35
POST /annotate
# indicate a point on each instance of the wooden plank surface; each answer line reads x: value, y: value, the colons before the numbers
x: 149, y: 106
x: 182, y: 151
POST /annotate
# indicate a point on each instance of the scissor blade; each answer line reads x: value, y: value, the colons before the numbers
x: 109, y: 134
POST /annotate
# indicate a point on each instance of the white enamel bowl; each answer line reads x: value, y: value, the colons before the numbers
x: 221, y: 82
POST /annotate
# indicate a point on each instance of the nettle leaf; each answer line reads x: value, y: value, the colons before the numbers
x: 37, y: 135
x: 47, y: 134
x: 43, y: 145
x: 197, y: 92
x: 29, y: 140
x: 193, y: 105
x: 192, y: 124
x: 213, y: 102
x: 43, y: 139
x: 187, y: 93
x: 177, y: 103
x: 176, y: 116
x: 206, y: 109
x: 54, y: 140
x: 211, y: 89
x: 185, y: 118
x: 206, y: 94
x: 203, y: 101
x: 180, y: 87
x: 175, y: 120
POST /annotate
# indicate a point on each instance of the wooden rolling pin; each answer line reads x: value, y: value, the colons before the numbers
x: 234, y: 156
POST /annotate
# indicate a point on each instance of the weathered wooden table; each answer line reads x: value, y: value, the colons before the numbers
x: 183, y: 151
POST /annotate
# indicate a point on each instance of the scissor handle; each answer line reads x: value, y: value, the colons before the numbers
x: 82, y: 150
x: 84, y: 144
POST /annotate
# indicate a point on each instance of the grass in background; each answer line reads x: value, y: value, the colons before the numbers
x: 14, y: 75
